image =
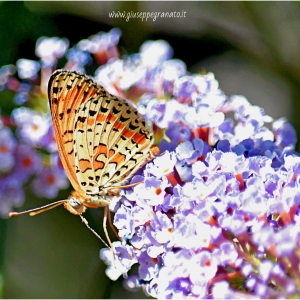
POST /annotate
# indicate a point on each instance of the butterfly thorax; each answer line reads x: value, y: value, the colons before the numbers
x: 77, y: 203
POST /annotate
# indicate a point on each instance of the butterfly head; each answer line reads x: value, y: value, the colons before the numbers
x: 75, y: 205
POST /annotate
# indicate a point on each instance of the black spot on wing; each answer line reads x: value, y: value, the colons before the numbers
x: 132, y: 127
x: 55, y: 89
x: 115, y: 111
x: 123, y: 119
x: 92, y: 112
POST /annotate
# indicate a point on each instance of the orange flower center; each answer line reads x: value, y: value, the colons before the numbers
x: 4, y: 149
x: 35, y: 127
x: 158, y: 191
x: 50, y: 179
x: 27, y: 161
x: 207, y: 263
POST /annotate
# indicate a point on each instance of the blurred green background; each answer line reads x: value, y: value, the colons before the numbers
x: 251, y: 47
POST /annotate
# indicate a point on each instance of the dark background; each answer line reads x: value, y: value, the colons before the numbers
x: 251, y: 47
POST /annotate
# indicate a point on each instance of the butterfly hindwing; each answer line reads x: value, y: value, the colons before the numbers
x: 111, y: 140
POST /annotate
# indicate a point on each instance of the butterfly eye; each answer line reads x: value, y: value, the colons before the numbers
x: 74, y: 203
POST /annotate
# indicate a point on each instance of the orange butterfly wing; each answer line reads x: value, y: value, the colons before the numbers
x: 102, y: 139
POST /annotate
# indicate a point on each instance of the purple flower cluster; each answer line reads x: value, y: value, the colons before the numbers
x: 215, y: 215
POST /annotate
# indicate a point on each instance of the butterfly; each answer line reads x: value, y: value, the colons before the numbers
x: 102, y: 141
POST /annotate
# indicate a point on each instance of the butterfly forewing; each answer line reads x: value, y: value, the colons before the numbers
x: 102, y: 139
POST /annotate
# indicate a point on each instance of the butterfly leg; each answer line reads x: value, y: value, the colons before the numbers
x: 112, y: 226
x: 106, y: 212
x: 107, y: 216
x: 84, y: 220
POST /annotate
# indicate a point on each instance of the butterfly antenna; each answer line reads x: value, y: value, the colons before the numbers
x: 38, y: 210
x: 84, y: 220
